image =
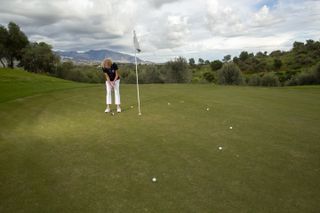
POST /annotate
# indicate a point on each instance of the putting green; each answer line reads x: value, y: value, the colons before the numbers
x: 61, y: 153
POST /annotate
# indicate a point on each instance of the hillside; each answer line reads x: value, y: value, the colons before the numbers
x: 302, y: 56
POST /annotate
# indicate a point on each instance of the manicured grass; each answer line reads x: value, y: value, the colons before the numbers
x: 19, y: 83
x: 59, y: 152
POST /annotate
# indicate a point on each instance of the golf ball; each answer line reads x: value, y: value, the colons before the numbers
x: 131, y: 107
x: 140, y: 114
x: 112, y: 113
x: 208, y: 109
x: 154, y: 179
x: 230, y: 127
x: 169, y: 104
x: 220, y: 148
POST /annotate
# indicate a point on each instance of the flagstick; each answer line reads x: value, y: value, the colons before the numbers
x: 137, y: 77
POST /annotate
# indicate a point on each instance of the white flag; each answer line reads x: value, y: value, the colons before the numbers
x: 135, y: 42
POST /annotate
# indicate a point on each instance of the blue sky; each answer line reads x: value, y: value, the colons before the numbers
x: 269, y: 3
x: 167, y: 28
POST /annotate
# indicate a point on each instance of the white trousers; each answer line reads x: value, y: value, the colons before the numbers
x: 116, y: 89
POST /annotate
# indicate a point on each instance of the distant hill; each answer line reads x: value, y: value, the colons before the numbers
x: 92, y: 56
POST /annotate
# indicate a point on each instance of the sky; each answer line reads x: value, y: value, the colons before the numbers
x: 167, y: 29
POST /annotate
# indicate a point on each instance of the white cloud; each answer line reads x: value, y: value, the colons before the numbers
x: 263, y: 17
x: 177, y: 30
x: 167, y: 28
x: 223, y: 20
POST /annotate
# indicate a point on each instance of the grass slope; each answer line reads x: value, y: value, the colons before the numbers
x: 18, y: 84
x: 61, y: 153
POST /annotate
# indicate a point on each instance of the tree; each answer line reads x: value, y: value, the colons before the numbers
x: 17, y: 41
x: 310, y: 44
x: 235, y: 60
x: 177, y: 71
x: 192, y: 62
x: 38, y: 57
x: 298, y: 47
x: 276, y: 53
x: 4, y: 36
x: 230, y: 74
x: 277, y: 63
x: 260, y: 55
x: 200, y: 61
x: 244, y: 55
x: 226, y: 58
x: 216, y: 65
x: 206, y: 62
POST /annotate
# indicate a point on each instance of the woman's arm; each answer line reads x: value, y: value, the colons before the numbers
x: 117, y: 75
x: 107, y: 77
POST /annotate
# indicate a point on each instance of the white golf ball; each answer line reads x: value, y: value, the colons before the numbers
x: 131, y: 107
x: 230, y: 127
x: 208, y: 109
x: 169, y: 104
x: 154, y: 179
x: 220, y: 148
x: 140, y: 114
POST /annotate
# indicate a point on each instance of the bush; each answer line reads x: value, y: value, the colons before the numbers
x: 80, y: 73
x: 316, y: 72
x: 230, y: 74
x: 254, y: 80
x: 63, y: 69
x: 307, y: 78
x: 178, y: 71
x: 209, y: 77
x: 270, y: 80
x: 196, y: 80
x: 292, y: 82
x: 310, y: 77
x: 130, y: 79
x: 153, y: 75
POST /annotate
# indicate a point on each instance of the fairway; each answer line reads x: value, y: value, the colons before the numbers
x: 61, y: 153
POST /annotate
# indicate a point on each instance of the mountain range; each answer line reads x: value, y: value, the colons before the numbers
x: 93, y: 56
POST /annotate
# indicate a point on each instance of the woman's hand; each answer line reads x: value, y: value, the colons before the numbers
x: 112, y: 83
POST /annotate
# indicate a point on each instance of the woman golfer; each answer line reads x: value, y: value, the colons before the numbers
x: 112, y: 83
